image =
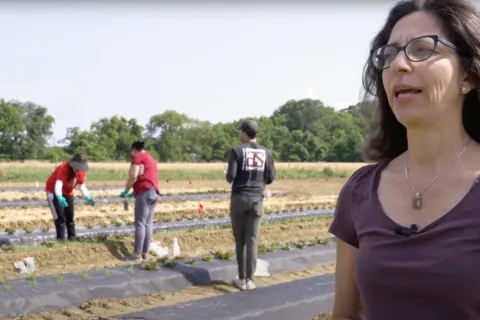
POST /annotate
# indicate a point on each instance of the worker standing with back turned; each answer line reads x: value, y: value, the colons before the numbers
x: 250, y: 168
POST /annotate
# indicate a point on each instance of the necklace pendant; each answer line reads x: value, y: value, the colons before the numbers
x: 417, y: 201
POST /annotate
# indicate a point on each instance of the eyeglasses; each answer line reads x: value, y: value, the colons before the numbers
x: 416, y: 50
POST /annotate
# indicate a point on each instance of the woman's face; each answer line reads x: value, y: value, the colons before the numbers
x: 436, y: 83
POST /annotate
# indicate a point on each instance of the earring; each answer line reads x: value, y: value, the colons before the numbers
x: 464, y: 89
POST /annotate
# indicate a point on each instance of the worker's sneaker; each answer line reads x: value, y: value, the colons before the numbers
x: 132, y: 257
x: 250, y: 285
x: 145, y: 256
x: 240, y: 283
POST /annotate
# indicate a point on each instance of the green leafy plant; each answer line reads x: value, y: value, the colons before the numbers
x: 170, y: 264
x: 300, y: 245
x: 190, y: 261
x: 223, y: 255
x: 59, y: 278
x: 150, y: 266
x: 323, y: 241
x: 207, y: 258
x: 162, y: 259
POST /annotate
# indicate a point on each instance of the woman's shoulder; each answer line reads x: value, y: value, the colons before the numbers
x: 363, y: 175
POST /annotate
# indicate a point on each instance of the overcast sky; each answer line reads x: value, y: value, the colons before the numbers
x: 213, y: 63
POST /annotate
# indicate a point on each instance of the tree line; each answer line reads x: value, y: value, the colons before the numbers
x: 298, y: 131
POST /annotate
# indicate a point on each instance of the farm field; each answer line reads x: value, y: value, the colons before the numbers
x: 31, y: 172
x: 297, y: 194
x: 54, y: 259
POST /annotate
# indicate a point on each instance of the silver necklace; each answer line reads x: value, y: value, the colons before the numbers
x: 417, y: 198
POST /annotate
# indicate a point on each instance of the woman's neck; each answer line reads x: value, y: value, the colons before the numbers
x: 434, y: 148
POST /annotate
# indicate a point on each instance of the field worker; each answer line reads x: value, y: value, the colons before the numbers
x: 250, y: 168
x: 59, y: 188
x: 143, y: 178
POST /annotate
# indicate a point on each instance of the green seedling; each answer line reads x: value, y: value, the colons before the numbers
x: 180, y: 257
x: 150, y: 266
x: 262, y: 250
x: 89, y: 226
x: 300, y: 245
x: 162, y: 259
x: 45, y: 229
x: 190, y: 261
x: 223, y: 255
x: 28, y: 230
x: 108, y: 273
x: 48, y: 244
x: 323, y: 241
x: 85, y: 275
x: 7, y: 287
x: 130, y: 270
x: 170, y: 264
x: 59, y: 278
x: 8, y: 248
x: 286, y: 247
x: 207, y: 258
x: 272, y: 248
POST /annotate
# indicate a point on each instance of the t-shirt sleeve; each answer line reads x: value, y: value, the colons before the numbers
x: 137, y: 159
x: 342, y: 226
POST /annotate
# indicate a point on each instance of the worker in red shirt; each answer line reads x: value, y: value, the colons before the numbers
x: 143, y: 178
x: 59, y: 188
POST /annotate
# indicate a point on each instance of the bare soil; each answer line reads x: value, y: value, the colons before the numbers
x: 108, y: 192
x: 113, y: 307
x: 80, y: 256
x: 329, y: 186
x: 19, y: 219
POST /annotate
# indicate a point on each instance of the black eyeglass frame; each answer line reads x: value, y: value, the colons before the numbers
x: 436, y: 39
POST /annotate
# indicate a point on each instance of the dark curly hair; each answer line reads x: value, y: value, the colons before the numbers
x: 138, y: 145
x: 461, y: 21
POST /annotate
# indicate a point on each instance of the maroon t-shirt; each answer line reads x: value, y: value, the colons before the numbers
x: 148, y: 176
x: 432, y: 275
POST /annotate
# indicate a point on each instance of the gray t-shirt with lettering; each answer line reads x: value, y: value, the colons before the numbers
x: 432, y: 275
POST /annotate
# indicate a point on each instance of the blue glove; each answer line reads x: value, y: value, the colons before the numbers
x: 130, y: 195
x: 89, y: 199
x: 123, y: 194
x: 62, y: 201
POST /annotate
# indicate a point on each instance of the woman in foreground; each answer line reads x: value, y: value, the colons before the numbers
x: 59, y: 187
x: 408, y: 227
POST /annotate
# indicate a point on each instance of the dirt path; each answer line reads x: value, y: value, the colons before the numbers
x: 113, y: 214
x: 80, y: 256
x: 112, y: 307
